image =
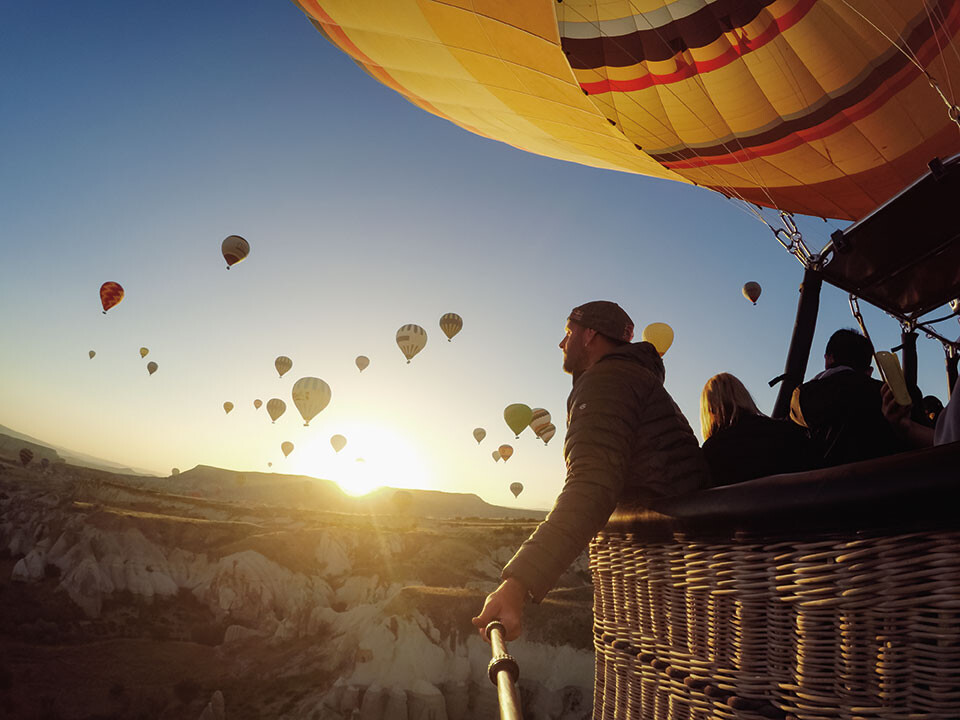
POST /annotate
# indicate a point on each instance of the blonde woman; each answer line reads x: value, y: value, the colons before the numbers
x: 741, y: 443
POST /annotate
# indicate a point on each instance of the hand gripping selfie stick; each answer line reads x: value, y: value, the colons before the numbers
x: 504, y: 672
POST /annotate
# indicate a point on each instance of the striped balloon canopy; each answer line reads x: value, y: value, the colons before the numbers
x: 411, y: 339
x: 451, y: 324
x: 823, y: 107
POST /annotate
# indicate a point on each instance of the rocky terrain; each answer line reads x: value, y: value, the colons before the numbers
x: 226, y: 595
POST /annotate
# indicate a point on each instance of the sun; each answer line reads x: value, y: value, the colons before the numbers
x: 374, y: 456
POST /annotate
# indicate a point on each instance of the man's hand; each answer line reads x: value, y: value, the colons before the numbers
x: 506, y: 605
x: 896, y: 414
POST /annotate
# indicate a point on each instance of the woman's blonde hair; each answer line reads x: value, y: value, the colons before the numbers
x: 724, y: 400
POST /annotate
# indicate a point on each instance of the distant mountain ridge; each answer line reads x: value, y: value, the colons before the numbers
x: 72, y: 456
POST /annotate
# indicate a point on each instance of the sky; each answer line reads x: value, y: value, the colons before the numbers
x: 137, y: 136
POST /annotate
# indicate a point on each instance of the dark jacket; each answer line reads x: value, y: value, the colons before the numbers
x: 756, y: 446
x: 626, y: 439
x: 842, y: 410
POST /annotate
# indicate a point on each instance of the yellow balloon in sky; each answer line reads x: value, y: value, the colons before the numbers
x: 516, y: 488
x: 451, y: 324
x: 257, y: 404
x: 227, y: 407
x: 339, y: 442
x: 479, y: 434
x: 92, y: 353
x: 310, y: 395
x: 496, y: 455
x: 660, y: 335
x: 362, y: 362
x: 287, y: 448
x: 518, y: 416
x: 143, y: 352
x: 411, y: 339
x: 505, y: 452
x: 547, y: 433
x: 276, y: 407
x: 283, y: 364
x: 152, y: 367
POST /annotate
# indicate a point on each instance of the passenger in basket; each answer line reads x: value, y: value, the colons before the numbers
x: 841, y: 407
x: 626, y: 440
x: 741, y: 443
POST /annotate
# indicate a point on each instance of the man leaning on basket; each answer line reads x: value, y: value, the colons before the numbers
x: 626, y: 439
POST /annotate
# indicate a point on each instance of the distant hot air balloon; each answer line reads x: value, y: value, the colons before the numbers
x: 286, y: 448
x: 283, y: 364
x: 143, y: 352
x: 26, y: 455
x: 479, y: 434
x: 751, y: 291
x: 660, y: 335
x: 518, y: 416
x: 269, y: 464
x: 496, y: 455
x: 339, y: 442
x: 257, y: 403
x: 540, y: 419
x: 547, y: 433
x: 360, y: 460
x: 175, y: 472
x: 44, y: 463
x: 92, y: 353
x: 310, y: 395
x: 234, y: 249
x: 276, y: 407
x: 505, y: 452
x: 411, y: 339
x: 227, y: 407
x: 362, y: 362
x: 516, y: 488
x: 451, y: 324
x: 111, y: 293
x: 152, y: 367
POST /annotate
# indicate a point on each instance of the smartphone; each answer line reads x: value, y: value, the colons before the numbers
x: 892, y: 374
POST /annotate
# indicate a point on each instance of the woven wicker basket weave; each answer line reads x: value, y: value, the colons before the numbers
x: 841, y: 623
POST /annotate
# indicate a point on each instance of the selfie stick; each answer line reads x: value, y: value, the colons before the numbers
x: 504, y: 672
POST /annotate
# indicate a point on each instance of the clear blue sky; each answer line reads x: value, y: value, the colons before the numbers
x: 137, y: 136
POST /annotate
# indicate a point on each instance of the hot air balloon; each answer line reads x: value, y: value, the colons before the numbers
x: 451, y: 324
x: 362, y: 362
x: 547, y: 433
x: 518, y: 416
x: 339, y: 442
x: 143, y: 352
x: 505, y: 452
x: 660, y: 335
x: 44, y: 463
x: 286, y: 448
x: 276, y: 407
x: 310, y: 395
x: 92, y: 353
x: 540, y: 419
x: 479, y: 434
x: 411, y: 339
x: 269, y: 464
x: 751, y: 291
x: 283, y: 364
x: 234, y: 249
x: 516, y: 488
x: 747, y: 102
x: 175, y: 471
x: 152, y: 367
x: 496, y: 455
x: 26, y: 455
x: 227, y: 407
x: 111, y: 293
x: 257, y: 403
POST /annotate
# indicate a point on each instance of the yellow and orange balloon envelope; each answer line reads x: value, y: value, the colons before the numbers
x: 547, y: 433
x: 479, y: 434
x: 516, y: 488
x: 275, y: 408
x: 152, y: 367
x: 310, y: 395
x: 234, y: 249
x: 227, y: 407
x: 505, y: 452
x: 286, y: 448
x: 339, y: 442
x: 111, y: 293
x: 411, y: 339
x: 92, y: 354
x: 781, y: 104
x: 539, y: 420
x: 283, y: 364
x: 451, y: 324
x: 362, y: 362
x: 144, y: 352
x: 751, y: 291
x: 26, y: 455
x: 257, y: 403
x: 517, y: 416
x: 496, y: 455
x: 660, y: 335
